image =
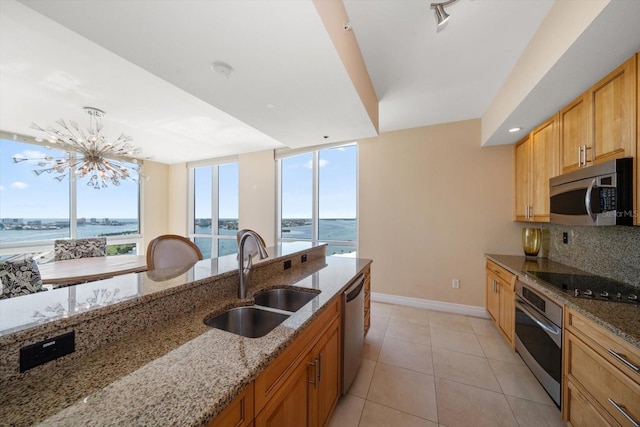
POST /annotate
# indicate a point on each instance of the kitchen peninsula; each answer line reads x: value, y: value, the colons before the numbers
x: 150, y: 359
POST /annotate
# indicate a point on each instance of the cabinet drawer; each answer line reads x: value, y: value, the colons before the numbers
x: 618, y: 352
x: 580, y: 412
x: 602, y: 380
x: 506, y: 276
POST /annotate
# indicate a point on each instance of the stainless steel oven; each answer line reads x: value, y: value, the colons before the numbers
x: 539, y: 337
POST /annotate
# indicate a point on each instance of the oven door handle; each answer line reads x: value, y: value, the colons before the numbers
x: 548, y: 327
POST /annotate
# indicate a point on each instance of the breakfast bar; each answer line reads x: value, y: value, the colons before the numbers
x: 172, y: 372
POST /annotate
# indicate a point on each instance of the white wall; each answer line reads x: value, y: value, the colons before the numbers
x: 432, y: 202
x: 155, y: 200
x: 258, y: 194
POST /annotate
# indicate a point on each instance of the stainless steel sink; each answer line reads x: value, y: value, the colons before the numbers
x: 249, y: 321
x: 285, y: 299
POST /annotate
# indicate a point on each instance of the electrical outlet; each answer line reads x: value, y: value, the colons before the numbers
x: 287, y: 264
x: 303, y: 258
x: 565, y: 238
x: 45, y: 351
x: 455, y: 283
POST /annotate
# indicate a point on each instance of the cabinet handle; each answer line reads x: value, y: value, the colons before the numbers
x: 584, y: 151
x: 624, y: 360
x: 319, y: 367
x: 579, y: 156
x: 620, y: 408
x: 530, y: 211
x: 315, y: 372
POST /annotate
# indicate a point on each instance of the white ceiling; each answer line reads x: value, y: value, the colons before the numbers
x: 147, y: 64
x: 424, y: 75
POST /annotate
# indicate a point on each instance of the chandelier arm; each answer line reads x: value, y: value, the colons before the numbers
x: 444, y: 3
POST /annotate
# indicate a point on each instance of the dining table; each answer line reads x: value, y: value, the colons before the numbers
x: 80, y: 270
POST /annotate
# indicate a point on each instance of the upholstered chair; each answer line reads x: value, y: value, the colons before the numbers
x: 20, y: 277
x: 79, y: 248
x: 171, y: 250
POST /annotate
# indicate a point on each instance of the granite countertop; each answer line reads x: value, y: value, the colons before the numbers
x: 620, y: 318
x: 180, y: 372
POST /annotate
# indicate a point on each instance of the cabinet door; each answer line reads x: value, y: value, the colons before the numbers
x: 507, y: 312
x: 544, y: 149
x: 523, y: 179
x: 493, y: 298
x: 239, y: 413
x: 328, y: 374
x: 290, y: 405
x: 613, y: 113
x: 573, y: 121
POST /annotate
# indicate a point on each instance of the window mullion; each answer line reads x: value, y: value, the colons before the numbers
x: 73, y: 203
x: 316, y: 197
x: 215, y: 206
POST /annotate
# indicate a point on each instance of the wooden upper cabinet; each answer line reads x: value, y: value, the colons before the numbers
x: 573, y: 123
x: 523, y: 179
x: 544, y: 147
x: 536, y: 162
x: 613, y: 114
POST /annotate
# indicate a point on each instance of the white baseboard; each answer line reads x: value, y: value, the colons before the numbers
x: 468, y: 310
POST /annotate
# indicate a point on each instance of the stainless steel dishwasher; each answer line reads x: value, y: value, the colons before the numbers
x: 352, y: 331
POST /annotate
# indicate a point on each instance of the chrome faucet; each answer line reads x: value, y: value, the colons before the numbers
x: 244, y: 271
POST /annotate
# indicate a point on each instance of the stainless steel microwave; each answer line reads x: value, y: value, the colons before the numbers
x: 596, y: 195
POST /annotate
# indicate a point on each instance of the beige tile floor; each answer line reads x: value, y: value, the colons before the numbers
x: 430, y: 368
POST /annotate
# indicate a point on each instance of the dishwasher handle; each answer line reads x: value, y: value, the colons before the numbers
x: 354, y: 290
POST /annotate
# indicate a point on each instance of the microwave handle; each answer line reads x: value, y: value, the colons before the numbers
x: 587, y: 199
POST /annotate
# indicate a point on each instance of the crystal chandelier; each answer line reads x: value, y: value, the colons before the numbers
x: 88, y: 153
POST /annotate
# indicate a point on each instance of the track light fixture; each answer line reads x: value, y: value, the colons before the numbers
x: 441, y: 15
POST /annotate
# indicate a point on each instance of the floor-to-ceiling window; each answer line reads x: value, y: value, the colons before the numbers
x: 38, y: 207
x: 214, y: 207
x: 318, y: 197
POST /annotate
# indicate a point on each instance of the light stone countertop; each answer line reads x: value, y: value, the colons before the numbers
x: 621, y: 319
x: 180, y: 372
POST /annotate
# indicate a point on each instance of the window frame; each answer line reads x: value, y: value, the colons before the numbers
x: 315, y: 198
x: 29, y: 246
x: 215, y: 236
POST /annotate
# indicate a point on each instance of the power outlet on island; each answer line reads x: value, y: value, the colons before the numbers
x: 287, y: 264
x: 455, y: 283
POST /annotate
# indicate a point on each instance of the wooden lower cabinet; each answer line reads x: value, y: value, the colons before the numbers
x: 301, y: 387
x: 326, y: 389
x: 290, y: 405
x: 239, y: 413
x: 500, y: 300
x: 601, y: 381
x: 367, y: 299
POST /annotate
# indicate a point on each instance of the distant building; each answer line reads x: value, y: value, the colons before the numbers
x: 81, y: 221
x: 93, y: 221
x: 36, y: 223
x: 12, y: 221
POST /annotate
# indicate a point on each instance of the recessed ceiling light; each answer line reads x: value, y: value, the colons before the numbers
x: 222, y: 68
x: 514, y: 130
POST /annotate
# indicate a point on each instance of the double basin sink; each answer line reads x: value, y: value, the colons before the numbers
x: 271, y: 308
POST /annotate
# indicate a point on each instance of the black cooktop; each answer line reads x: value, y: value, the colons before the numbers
x: 592, y: 287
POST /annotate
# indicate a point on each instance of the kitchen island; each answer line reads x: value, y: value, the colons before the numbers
x: 172, y: 372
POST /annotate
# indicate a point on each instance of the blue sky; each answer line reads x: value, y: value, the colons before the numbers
x: 337, y: 184
x: 25, y: 195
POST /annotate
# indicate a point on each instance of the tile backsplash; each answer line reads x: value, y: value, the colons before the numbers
x: 612, y: 252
